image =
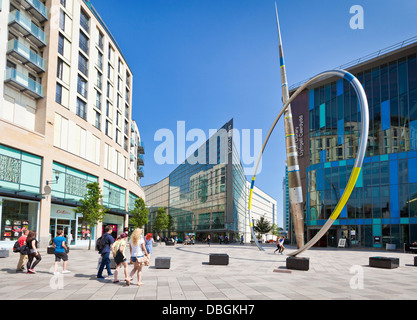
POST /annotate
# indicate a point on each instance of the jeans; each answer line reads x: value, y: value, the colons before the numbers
x: 105, y: 262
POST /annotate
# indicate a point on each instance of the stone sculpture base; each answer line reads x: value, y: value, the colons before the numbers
x: 298, y: 263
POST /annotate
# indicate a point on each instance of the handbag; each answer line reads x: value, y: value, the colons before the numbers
x: 119, y: 257
x: 24, y: 249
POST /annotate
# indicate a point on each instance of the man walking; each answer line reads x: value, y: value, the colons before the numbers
x: 23, y: 259
x: 60, y: 252
x: 105, y: 252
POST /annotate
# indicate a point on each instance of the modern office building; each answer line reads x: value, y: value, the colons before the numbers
x: 65, y: 120
x: 208, y: 193
x: 383, y: 206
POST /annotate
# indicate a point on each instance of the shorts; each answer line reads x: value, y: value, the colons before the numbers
x: 61, y: 255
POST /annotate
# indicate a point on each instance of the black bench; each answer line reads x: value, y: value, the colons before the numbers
x: 410, y: 248
x: 415, y: 261
x: 162, y: 262
x: 219, y: 259
x: 384, y: 262
x: 169, y: 243
x: 298, y: 263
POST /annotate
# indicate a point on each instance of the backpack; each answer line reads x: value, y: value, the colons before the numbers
x: 16, y: 247
x: 101, y: 243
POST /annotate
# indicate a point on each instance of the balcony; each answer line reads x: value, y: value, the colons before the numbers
x: 23, y: 83
x: 36, y: 8
x: 140, y: 160
x: 29, y: 30
x: 22, y: 53
x: 140, y: 171
x: 141, y: 149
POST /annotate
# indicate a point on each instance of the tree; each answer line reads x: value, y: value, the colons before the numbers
x: 91, y: 207
x: 140, y: 214
x: 170, y: 225
x: 262, y: 226
x: 161, y: 220
x: 275, y: 230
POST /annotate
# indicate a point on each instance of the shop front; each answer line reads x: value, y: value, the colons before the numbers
x: 15, y: 215
x: 116, y: 221
x: 75, y: 230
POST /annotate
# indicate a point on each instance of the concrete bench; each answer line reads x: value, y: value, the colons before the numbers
x: 4, y: 253
x: 298, y: 263
x: 384, y: 262
x: 162, y: 262
x: 169, y: 243
x: 219, y: 259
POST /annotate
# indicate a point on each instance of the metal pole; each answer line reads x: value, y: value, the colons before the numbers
x: 294, y: 180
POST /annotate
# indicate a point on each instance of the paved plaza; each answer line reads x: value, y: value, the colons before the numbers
x: 250, y: 275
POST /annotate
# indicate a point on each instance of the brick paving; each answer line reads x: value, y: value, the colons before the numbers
x: 250, y: 275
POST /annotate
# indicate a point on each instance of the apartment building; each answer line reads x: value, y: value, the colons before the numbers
x: 65, y: 120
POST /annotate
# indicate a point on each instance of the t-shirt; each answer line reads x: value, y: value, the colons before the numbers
x: 109, y: 241
x: 22, y: 240
x: 58, y: 244
x: 137, y: 250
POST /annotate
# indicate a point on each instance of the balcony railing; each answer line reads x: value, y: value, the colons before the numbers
x: 140, y: 160
x: 23, y: 83
x: 36, y: 8
x: 140, y: 171
x: 24, y: 54
x: 141, y: 149
x: 27, y: 28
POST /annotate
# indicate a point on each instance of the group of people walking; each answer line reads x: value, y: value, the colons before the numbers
x: 30, y: 256
x: 140, y: 251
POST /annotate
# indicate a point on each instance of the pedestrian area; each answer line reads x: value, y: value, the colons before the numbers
x: 250, y: 275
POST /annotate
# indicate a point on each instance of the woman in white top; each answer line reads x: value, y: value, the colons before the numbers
x: 138, y: 254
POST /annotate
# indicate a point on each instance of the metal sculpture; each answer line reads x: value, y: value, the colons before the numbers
x: 359, y: 158
x: 294, y: 180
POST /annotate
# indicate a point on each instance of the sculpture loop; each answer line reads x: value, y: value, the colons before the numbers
x: 363, y: 102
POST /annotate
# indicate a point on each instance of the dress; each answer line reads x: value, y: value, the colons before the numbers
x: 148, y: 245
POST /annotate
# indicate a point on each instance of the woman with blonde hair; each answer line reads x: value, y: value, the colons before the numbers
x: 138, y: 254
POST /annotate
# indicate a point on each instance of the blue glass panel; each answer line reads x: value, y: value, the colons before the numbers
x: 395, y: 221
x: 412, y: 170
x: 393, y: 172
x: 413, y: 135
x: 368, y: 221
x: 385, y: 221
x: 359, y: 182
x: 323, y: 156
x: 343, y: 214
x: 394, y: 201
x: 413, y: 220
x: 393, y: 156
x: 402, y: 155
x: 320, y: 180
x: 339, y: 87
x: 359, y: 221
x: 351, y: 221
x: 322, y: 115
x: 377, y: 230
x: 385, y: 115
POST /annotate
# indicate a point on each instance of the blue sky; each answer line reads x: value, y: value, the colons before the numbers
x: 207, y: 61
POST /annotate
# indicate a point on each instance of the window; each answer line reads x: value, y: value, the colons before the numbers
x: 58, y: 94
x: 100, y: 60
x: 99, y: 80
x: 118, y: 116
x: 82, y: 64
x: 83, y: 42
x: 98, y: 120
x: 107, y: 128
x: 98, y: 100
x: 117, y: 136
x: 82, y: 86
x: 63, y: 3
x: 84, y: 20
x: 81, y: 109
x: 110, y: 51
x: 119, y: 66
x: 62, y: 20
x: 61, y: 42
x: 100, y: 40
x: 127, y: 111
x: 108, y: 109
x: 60, y: 69
x: 126, y: 127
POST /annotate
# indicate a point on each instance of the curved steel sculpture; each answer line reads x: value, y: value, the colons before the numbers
x: 358, y: 162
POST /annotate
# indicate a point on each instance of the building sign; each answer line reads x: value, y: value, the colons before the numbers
x: 62, y: 212
x: 299, y: 135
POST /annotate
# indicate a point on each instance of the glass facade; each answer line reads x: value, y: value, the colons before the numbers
x: 383, y: 206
